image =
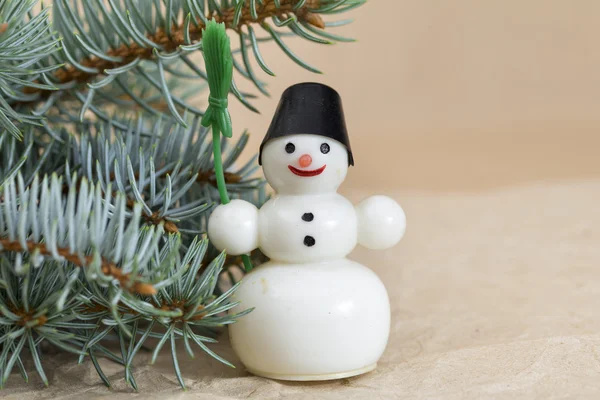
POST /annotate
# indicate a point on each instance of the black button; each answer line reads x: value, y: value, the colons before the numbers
x: 308, y: 217
x: 309, y: 241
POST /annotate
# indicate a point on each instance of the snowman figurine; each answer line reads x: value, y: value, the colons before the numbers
x: 317, y: 315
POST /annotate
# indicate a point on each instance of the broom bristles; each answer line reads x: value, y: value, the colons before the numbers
x: 219, y: 69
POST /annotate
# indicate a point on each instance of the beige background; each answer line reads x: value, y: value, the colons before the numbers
x: 459, y: 95
x: 482, y: 119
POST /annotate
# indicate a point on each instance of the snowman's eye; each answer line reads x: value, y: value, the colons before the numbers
x: 324, y: 148
x: 290, y: 148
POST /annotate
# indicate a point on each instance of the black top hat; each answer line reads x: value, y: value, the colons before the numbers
x: 311, y: 108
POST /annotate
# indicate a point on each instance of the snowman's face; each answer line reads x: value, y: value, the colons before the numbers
x: 303, y: 164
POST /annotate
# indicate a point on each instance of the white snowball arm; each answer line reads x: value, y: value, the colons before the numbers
x: 233, y: 227
x: 381, y: 222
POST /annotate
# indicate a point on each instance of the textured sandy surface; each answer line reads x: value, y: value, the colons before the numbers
x: 493, y: 295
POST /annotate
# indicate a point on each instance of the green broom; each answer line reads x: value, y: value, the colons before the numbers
x: 219, y: 68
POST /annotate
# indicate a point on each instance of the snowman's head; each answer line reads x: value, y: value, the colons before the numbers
x: 306, y: 148
x: 304, y: 164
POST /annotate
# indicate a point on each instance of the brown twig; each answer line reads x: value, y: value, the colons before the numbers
x: 156, y: 219
x: 27, y: 316
x: 174, y: 305
x: 108, y: 268
x: 128, y: 52
x: 230, y: 260
x: 209, y: 177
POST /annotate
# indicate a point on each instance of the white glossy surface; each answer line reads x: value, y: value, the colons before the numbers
x: 276, y: 162
x: 282, y: 230
x: 234, y: 227
x: 317, y: 314
x: 312, y: 321
x: 381, y: 222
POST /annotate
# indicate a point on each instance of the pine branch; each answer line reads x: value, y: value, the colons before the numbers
x: 24, y: 41
x: 78, y: 316
x: 155, y: 218
x: 38, y: 221
x: 116, y: 56
x: 108, y: 268
x: 170, y: 173
x: 170, y: 42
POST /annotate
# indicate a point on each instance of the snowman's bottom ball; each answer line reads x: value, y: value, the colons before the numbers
x: 313, y: 321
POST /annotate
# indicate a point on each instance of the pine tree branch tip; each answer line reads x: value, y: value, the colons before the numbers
x: 108, y: 268
x: 170, y: 42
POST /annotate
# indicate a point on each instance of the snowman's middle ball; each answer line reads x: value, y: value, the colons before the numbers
x: 288, y: 173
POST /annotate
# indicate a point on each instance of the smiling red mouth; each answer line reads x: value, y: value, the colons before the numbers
x: 313, y: 172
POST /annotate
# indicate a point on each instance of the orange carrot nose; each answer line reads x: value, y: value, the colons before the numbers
x: 305, y: 161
